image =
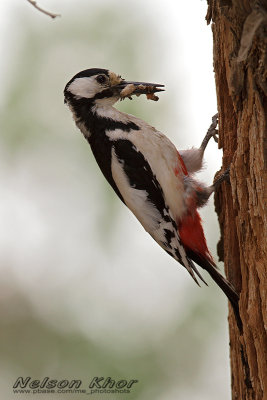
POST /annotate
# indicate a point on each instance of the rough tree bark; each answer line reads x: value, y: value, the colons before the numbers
x: 240, y: 57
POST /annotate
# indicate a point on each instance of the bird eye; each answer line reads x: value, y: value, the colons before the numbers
x: 101, y: 78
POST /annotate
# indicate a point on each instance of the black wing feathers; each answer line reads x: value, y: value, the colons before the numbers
x: 139, y: 172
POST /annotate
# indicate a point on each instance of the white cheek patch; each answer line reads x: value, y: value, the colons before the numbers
x: 85, y: 87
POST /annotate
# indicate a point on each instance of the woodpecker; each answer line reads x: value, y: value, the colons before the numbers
x: 150, y: 176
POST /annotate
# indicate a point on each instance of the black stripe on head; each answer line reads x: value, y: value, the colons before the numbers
x: 104, y: 94
x: 87, y: 73
x: 90, y: 72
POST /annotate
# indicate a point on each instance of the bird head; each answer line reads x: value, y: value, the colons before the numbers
x: 102, y: 87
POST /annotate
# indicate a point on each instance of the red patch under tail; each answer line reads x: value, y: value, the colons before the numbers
x: 192, y: 236
x: 190, y: 228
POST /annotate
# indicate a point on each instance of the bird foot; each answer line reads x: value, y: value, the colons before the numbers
x: 224, y: 177
x: 212, y: 132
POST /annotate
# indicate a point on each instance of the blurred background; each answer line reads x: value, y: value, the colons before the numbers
x: 84, y: 290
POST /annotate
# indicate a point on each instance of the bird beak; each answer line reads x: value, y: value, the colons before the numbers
x: 129, y: 88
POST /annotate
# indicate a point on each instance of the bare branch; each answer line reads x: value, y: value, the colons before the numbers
x: 34, y: 4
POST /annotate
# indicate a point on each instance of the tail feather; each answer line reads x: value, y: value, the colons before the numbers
x: 223, y: 283
x: 194, y: 268
x: 230, y: 292
x: 193, y: 239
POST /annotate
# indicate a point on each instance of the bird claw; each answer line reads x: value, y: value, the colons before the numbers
x: 224, y: 177
x: 212, y: 132
x: 216, y: 136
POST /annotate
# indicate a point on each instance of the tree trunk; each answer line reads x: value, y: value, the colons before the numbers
x: 240, y: 58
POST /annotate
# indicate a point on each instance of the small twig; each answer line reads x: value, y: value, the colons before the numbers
x: 34, y: 4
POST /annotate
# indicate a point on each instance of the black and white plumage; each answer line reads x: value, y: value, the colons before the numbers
x: 145, y: 169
